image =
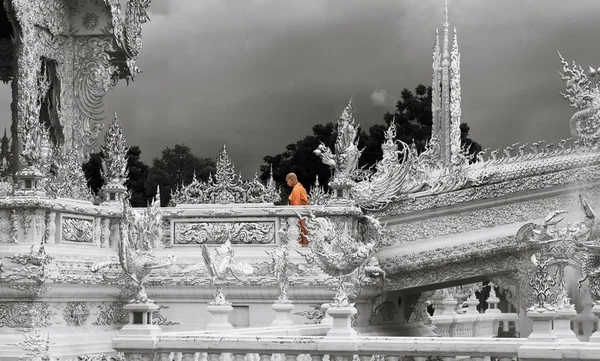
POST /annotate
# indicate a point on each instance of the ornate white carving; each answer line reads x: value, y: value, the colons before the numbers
x: 344, y: 162
x: 582, y: 93
x: 226, y: 187
x: 280, y: 265
x: 217, y: 232
x: 341, y: 251
x: 115, y: 155
x: 77, y: 230
x: 68, y: 179
x: 219, y: 267
x: 136, y: 256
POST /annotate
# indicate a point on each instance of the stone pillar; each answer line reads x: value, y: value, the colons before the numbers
x: 562, y: 324
x: 282, y: 314
x: 541, y: 343
x: 139, y: 332
x: 542, y: 325
x: 219, y: 319
x: 342, y: 322
x: 595, y: 338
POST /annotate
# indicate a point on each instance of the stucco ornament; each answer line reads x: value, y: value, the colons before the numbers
x: 560, y: 243
x: 583, y: 93
x: 35, y: 268
x: 115, y: 155
x: 340, y: 251
x: 541, y: 283
x: 281, y: 265
x: 219, y: 267
x: 128, y: 31
x: 67, y: 179
x: 225, y: 187
x: 136, y: 254
x: 344, y: 162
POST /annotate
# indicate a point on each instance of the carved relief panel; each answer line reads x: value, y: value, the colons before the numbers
x: 211, y: 232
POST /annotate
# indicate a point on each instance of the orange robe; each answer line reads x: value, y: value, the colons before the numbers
x: 300, y: 198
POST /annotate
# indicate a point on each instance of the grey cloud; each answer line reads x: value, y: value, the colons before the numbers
x: 258, y: 75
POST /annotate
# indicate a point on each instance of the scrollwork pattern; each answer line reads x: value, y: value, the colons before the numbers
x: 217, y: 233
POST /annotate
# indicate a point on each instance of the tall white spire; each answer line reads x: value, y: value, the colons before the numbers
x: 446, y: 95
x: 436, y: 85
x: 455, y: 99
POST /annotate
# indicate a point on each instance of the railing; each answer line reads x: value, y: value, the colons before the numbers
x: 174, y: 347
x: 551, y: 339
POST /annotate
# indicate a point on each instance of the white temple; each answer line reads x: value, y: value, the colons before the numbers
x: 503, y: 248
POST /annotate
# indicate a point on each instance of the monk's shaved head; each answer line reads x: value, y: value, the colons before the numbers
x: 291, y: 176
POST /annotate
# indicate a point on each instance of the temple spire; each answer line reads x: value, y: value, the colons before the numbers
x: 446, y: 93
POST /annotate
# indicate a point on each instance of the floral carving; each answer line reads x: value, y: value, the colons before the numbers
x: 112, y: 313
x: 90, y: 21
x: 25, y: 314
x: 218, y: 233
x: 76, y: 313
x: 77, y: 230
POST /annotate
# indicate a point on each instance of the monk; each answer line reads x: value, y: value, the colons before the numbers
x: 298, y: 197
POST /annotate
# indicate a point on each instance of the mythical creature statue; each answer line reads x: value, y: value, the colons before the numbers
x: 340, y: 251
x: 345, y: 160
x: 390, y: 177
x: 136, y: 254
x: 559, y: 241
x: 220, y: 266
x: 281, y: 266
x: 577, y: 233
x: 582, y: 93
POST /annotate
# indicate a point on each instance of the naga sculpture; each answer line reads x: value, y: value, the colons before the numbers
x: 582, y: 93
x: 340, y: 251
x: 345, y: 160
x: 136, y: 250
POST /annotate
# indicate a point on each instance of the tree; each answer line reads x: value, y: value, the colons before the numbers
x: 93, y: 172
x: 136, y: 178
x: 414, y: 122
x: 413, y: 116
x: 176, y: 167
x: 300, y: 159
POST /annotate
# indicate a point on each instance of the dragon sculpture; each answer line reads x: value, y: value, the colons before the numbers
x: 582, y: 93
x: 338, y: 252
x: 140, y: 234
x: 219, y: 267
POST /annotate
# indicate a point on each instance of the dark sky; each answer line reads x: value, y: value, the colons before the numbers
x: 257, y: 75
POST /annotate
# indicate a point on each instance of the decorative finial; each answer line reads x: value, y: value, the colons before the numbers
x: 347, y: 114
x: 446, y: 23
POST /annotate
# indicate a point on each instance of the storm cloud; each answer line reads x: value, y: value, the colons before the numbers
x: 257, y: 75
